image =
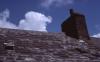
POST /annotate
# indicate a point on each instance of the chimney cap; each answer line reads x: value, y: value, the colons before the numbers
x: 71, y: 11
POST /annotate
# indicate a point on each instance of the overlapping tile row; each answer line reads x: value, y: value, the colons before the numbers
x: 28, y: 46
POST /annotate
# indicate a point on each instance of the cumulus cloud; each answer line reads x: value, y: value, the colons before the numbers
x: 3, y: 20
x: 33, y: 21
x: 48, y: 3
x: 97, y: 35
x: 97, y: 26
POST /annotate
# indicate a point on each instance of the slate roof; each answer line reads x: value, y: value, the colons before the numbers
x: 29, y: 46
x: 96, y: 41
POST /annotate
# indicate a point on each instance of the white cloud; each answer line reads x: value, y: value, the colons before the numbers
x: 48, y: 3
x: 97, y: 35
x: 3, y: 20
x: 33, y: 21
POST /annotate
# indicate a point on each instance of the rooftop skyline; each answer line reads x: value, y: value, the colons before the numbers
x: 47, y: 15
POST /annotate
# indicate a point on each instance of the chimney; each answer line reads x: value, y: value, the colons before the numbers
x: 71, y: 11
x: 75, y: 26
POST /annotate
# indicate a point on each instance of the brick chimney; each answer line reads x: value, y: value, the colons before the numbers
x: 75, y: 26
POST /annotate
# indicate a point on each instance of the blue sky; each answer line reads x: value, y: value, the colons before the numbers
x: 54, y: 11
